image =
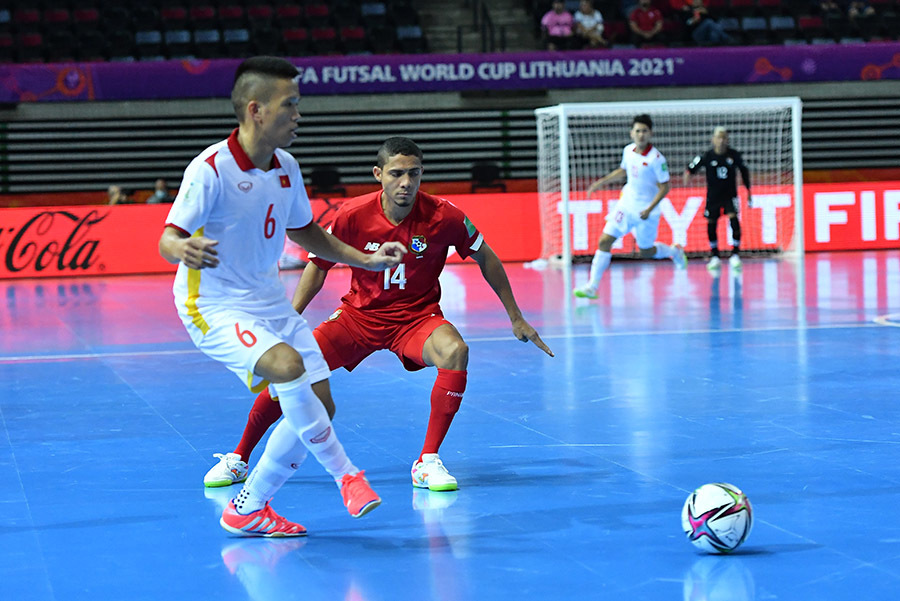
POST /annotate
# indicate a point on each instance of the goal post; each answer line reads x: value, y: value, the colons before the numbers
x: 766, y: 131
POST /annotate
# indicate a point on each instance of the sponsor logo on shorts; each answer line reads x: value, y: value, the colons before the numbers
x: 321, y: 436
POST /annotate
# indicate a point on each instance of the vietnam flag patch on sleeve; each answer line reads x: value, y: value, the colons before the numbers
x: 285, y: 181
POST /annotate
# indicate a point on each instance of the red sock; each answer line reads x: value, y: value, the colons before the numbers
x: 265, y: 412
x: 446, y: 397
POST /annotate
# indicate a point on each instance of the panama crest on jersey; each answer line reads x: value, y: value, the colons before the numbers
x: 418, y: 244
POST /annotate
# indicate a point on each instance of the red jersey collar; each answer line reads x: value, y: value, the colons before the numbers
x: 243, y: 161
x: 646, y: 150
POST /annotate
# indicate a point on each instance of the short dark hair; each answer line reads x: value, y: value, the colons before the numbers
x: 253, y: 72
x: 394, y: 146
x: 643, y: 118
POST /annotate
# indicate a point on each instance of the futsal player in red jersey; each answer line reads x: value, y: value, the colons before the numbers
x: 396, y: 309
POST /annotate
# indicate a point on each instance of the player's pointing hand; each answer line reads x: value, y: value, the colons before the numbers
x: 388, y: 255
x: 524, y: 332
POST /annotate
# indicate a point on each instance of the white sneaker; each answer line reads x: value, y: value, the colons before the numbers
x: 430, y: 473
x: 735, y: 262
x: 679, y: 258
x: 714, y: 264
x: 585, y: 292
x: 230, y: 470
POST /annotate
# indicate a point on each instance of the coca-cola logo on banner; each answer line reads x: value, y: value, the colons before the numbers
x: 52, y: 239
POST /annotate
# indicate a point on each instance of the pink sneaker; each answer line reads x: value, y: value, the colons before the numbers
x: 263, y: 522
x: 359, y: 498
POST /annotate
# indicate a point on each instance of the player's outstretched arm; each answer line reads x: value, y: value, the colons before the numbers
x: 495, y: 275
x: 308, y: 287
x: 319, y: 242
x: 613, y: 175
x: 197, y: 253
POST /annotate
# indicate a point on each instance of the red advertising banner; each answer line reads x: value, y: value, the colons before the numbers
x: 852, y: 216
x: 40, y: 242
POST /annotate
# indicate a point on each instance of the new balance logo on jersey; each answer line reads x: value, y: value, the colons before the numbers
x: 373, y: 246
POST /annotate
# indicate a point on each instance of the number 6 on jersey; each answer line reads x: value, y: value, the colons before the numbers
x: 398, y: 277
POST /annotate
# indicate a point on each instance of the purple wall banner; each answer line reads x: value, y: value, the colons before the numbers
x: 460, y: 72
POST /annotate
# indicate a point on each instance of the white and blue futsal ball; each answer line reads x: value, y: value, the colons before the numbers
x: 717, y: 517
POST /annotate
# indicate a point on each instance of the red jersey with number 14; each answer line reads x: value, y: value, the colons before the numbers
x: 412, y: 287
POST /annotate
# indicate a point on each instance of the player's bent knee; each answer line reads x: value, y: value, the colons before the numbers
x: 281, y: 363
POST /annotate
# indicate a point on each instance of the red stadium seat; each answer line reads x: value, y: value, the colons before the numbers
x: 324, y: 40
x: 296, y: 41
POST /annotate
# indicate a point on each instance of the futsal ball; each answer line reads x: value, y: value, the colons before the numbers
x: 717, y: 517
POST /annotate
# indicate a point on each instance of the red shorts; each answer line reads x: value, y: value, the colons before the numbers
x: 346, y: 338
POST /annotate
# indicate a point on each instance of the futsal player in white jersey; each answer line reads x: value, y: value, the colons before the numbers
x: 638, y: 208
x: 226, y: 231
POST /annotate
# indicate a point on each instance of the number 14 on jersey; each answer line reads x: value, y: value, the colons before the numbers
x: 398, y: 277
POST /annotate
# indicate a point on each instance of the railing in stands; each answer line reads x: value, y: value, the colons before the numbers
x: 482, y: 21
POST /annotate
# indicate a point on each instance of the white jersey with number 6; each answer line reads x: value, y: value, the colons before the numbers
x: 645, y: 170
x: 224, y: 197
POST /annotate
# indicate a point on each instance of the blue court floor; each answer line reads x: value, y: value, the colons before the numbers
x: 572, y: 469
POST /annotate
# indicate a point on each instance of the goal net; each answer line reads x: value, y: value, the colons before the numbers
x: 766, y: 131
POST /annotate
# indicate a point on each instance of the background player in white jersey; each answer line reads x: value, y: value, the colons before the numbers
x: 638, y: 207
x: 721, y: 164
x: 226, y: 230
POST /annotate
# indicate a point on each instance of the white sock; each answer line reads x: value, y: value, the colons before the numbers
x: 663, y: 251
x: 309, y: 420
x: 598, y: 266
x: 283, y: 455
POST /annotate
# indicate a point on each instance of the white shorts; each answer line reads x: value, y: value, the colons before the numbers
x: 621, y: 221
x: 239, y: 339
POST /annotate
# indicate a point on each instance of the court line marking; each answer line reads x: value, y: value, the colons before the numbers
x: 890, y: 320
x: 81, y: 356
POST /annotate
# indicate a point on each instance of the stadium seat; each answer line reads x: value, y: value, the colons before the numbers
x: 353, y: 39
x: 30, y: 47
x: 86, y: 18
x: 323, y: 40
x: 811, y: 26
x: 260, y: 16
x: 26, y: 20
x: 60, y: 46
x: 782, y: 27
x: 7, y: 47
x: 120, y: 46
x: 202, y: 16
x: 325, y: 181
x: 346, y: 13
x: 56, y: 18
x: 289, y: 16
x: 382, y: 40
x: 486, y: 176
x: 265, y: 41
x: 207, y: 43
x: 145, y: 17
x: 755, y: 30
x: 374, y: 15
x: 615, y: 31
x: 5, y: 20
x: 178, y: 43
x: 769, y: 7
x: 295, y: 41
x: 742, y: 8
x: 173, y: 17
x: 91, y: 46
x: 233, y: 16
x: 236, y: 43
x: 148, y: 44
x: 116, y: 18
x: 317, y: 15
x: 732, y: 26
x: 411, y: 39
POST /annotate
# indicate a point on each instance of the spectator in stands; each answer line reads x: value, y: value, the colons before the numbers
x: 860, y: 10
x: 556, y: 27
x: 705, y: 31
x: 589, y: 26
x: 160, y: 193
x: 646, y: 23
x: 118, y: 195
x: 830, y: 8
